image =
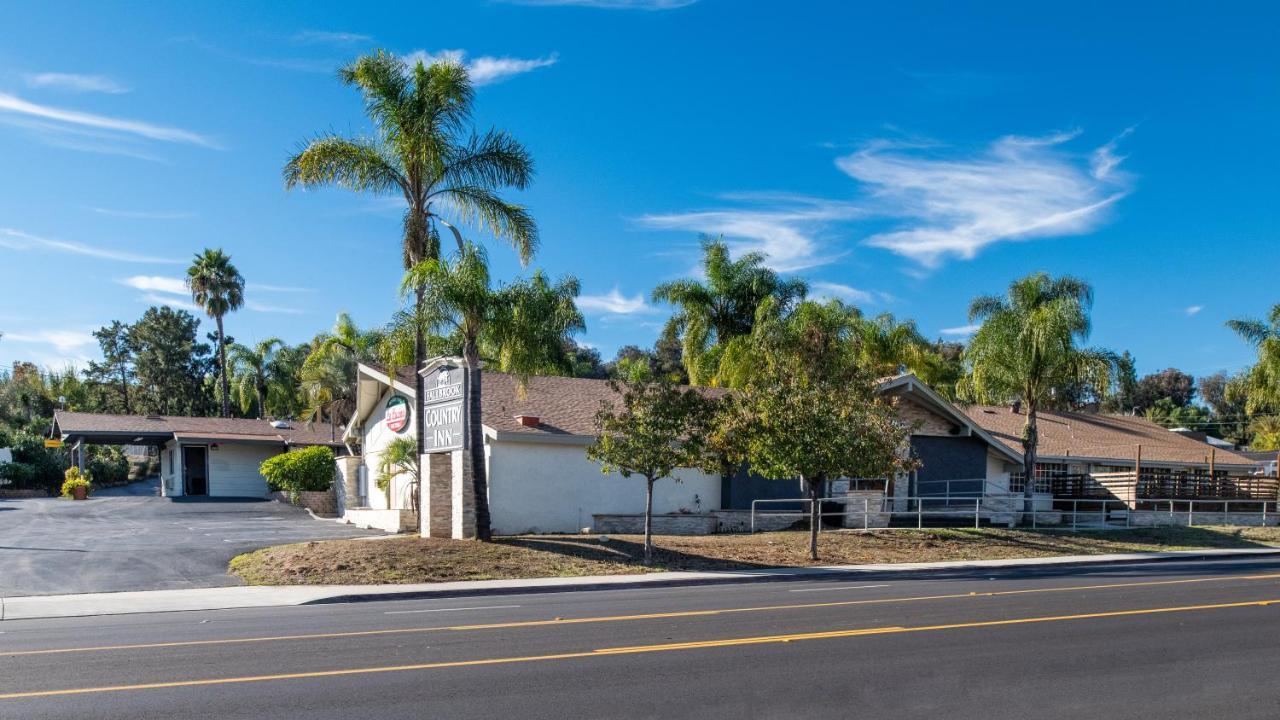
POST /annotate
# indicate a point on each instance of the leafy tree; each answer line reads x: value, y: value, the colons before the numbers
x: 1167, y: 413
x: 712, y: 313
x: 809, y: 409
x: 422, y: 151
x: 252, y: 368
x: 584, y: 361
x: 1226, y: 397
x: 218, y: 288
x: 1124, y: 397
x: 1172, y: 383
x: 169, y: 363
x: 658, y: 428
x: 522, y: 327
x: 115, y: 372
x: 1266, y: 433
x: 1027, y: 350
x: 285, y: 396
x: 1262, y: 381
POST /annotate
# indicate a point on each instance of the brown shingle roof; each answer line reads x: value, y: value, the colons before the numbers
x: 1101, y: 437
x: 100, y: 424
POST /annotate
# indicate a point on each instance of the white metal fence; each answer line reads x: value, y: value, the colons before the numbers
x: 1054, y: 513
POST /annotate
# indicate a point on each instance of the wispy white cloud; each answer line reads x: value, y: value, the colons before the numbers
x: 173, y: 301
x: 159, y: 283
x: 822, y: 289
x: 18, y: 240
x: 953, y: 205
x: 484, y: 69
x: 614, y: 302
x: 786, y: 228
x: 141, y: 214
x: 1193, y: 310
x: 259, y: 307
x: 279, y: 288
x: 962, y: 331
x: 326, y: 37
x: 609, y: 4
x: 75, y: 82
x: 13, y: 104
x: 64, y: 341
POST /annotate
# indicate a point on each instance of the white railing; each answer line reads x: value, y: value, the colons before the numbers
x: 1084, y: 513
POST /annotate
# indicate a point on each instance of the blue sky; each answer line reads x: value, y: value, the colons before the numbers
x: 902, y: 156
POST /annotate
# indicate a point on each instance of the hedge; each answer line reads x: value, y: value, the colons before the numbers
x: 310, y: 469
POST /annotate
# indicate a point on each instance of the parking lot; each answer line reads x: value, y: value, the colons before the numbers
x: 130, y: 539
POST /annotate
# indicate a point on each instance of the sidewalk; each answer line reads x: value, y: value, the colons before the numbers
x: 226, y: 598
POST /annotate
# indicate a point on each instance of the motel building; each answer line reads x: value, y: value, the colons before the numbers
x: 199, y: 456
x: 541, y: 481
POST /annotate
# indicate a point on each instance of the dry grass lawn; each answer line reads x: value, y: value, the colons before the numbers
x: 421, y: 560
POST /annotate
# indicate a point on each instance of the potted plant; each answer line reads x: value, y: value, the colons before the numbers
x: 76, y: 484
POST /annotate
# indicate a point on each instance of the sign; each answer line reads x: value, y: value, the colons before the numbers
x: 53, y: 443
x: 396, y: 414
x: 444, y: 411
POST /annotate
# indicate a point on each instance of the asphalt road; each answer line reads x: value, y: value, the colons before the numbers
x: 1192, y: 640
x: 130, y: 539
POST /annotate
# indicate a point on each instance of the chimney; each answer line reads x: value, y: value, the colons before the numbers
x: 528, y: 420
x: 1016, y: 407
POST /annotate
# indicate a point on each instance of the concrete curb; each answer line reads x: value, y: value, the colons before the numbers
x: 239, y: 597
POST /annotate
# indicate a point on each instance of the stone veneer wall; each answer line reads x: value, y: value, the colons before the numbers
x: 322, y: 503
x: 672, y: 524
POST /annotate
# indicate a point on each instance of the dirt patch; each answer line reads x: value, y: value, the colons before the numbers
x: 423, y: 560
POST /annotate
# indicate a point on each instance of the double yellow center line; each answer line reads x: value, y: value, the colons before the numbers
x: 622, y: 618
x: 637, y: 649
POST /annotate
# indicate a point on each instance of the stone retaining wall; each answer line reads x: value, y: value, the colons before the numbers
x: 16, y: 494
x: 323, y: 503
x: 672, y: 524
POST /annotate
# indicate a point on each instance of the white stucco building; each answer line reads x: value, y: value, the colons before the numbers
x: 215, y: 457
x: 540, y: 480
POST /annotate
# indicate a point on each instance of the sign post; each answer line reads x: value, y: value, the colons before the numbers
x: 444, y: 409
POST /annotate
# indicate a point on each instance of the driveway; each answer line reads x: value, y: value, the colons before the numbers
x: 131, y: 539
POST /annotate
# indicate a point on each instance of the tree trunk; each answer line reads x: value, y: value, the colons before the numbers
x: 1030, y: 439
x: 419, y: 389
x: 475, y: 438
x: 648, y: 520
x: 222, y: 371
x: 815, y: 514
x: 124, y: 389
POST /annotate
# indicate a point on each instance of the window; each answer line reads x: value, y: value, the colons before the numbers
x: 1045, y: 472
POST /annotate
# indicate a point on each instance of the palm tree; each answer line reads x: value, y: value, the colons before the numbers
x: 419, y: 151
x: 1026, y: 350
x: 712, y: 313
x: 1261, y: 382
x: 252, y: 367
x: 523, y: 328
x: 217, y: 287
x: 328, y: 374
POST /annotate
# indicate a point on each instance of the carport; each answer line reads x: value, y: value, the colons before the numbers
x: 217, y: 457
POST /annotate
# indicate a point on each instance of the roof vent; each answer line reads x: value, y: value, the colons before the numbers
x: 528, y: 420
x: 280, y: 424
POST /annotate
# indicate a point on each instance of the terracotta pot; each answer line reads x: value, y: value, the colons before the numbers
x: 79, y: 492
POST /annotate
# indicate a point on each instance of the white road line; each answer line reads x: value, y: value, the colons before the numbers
x: 840, y: 587
x: 435, y: 610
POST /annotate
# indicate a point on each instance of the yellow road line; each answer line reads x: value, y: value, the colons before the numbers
x: 618, y: 618
x: 666, y: 647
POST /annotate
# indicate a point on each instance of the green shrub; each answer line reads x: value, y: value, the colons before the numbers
x: 17, y: 474
x: 310, y: 469
x: 108, y: 465
x: 75, y: 479
x: 44, y: 466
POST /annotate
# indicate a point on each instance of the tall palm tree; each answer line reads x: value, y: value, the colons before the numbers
x: 522, y: 326
x: 217, y: 287
x: 252, y: 367
x: 1026, y: 350
x: 712, y: 313
x: 423, y: 150
x: 1261, y: 382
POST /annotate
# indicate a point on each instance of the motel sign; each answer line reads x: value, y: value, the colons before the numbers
x: 444, y: 409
